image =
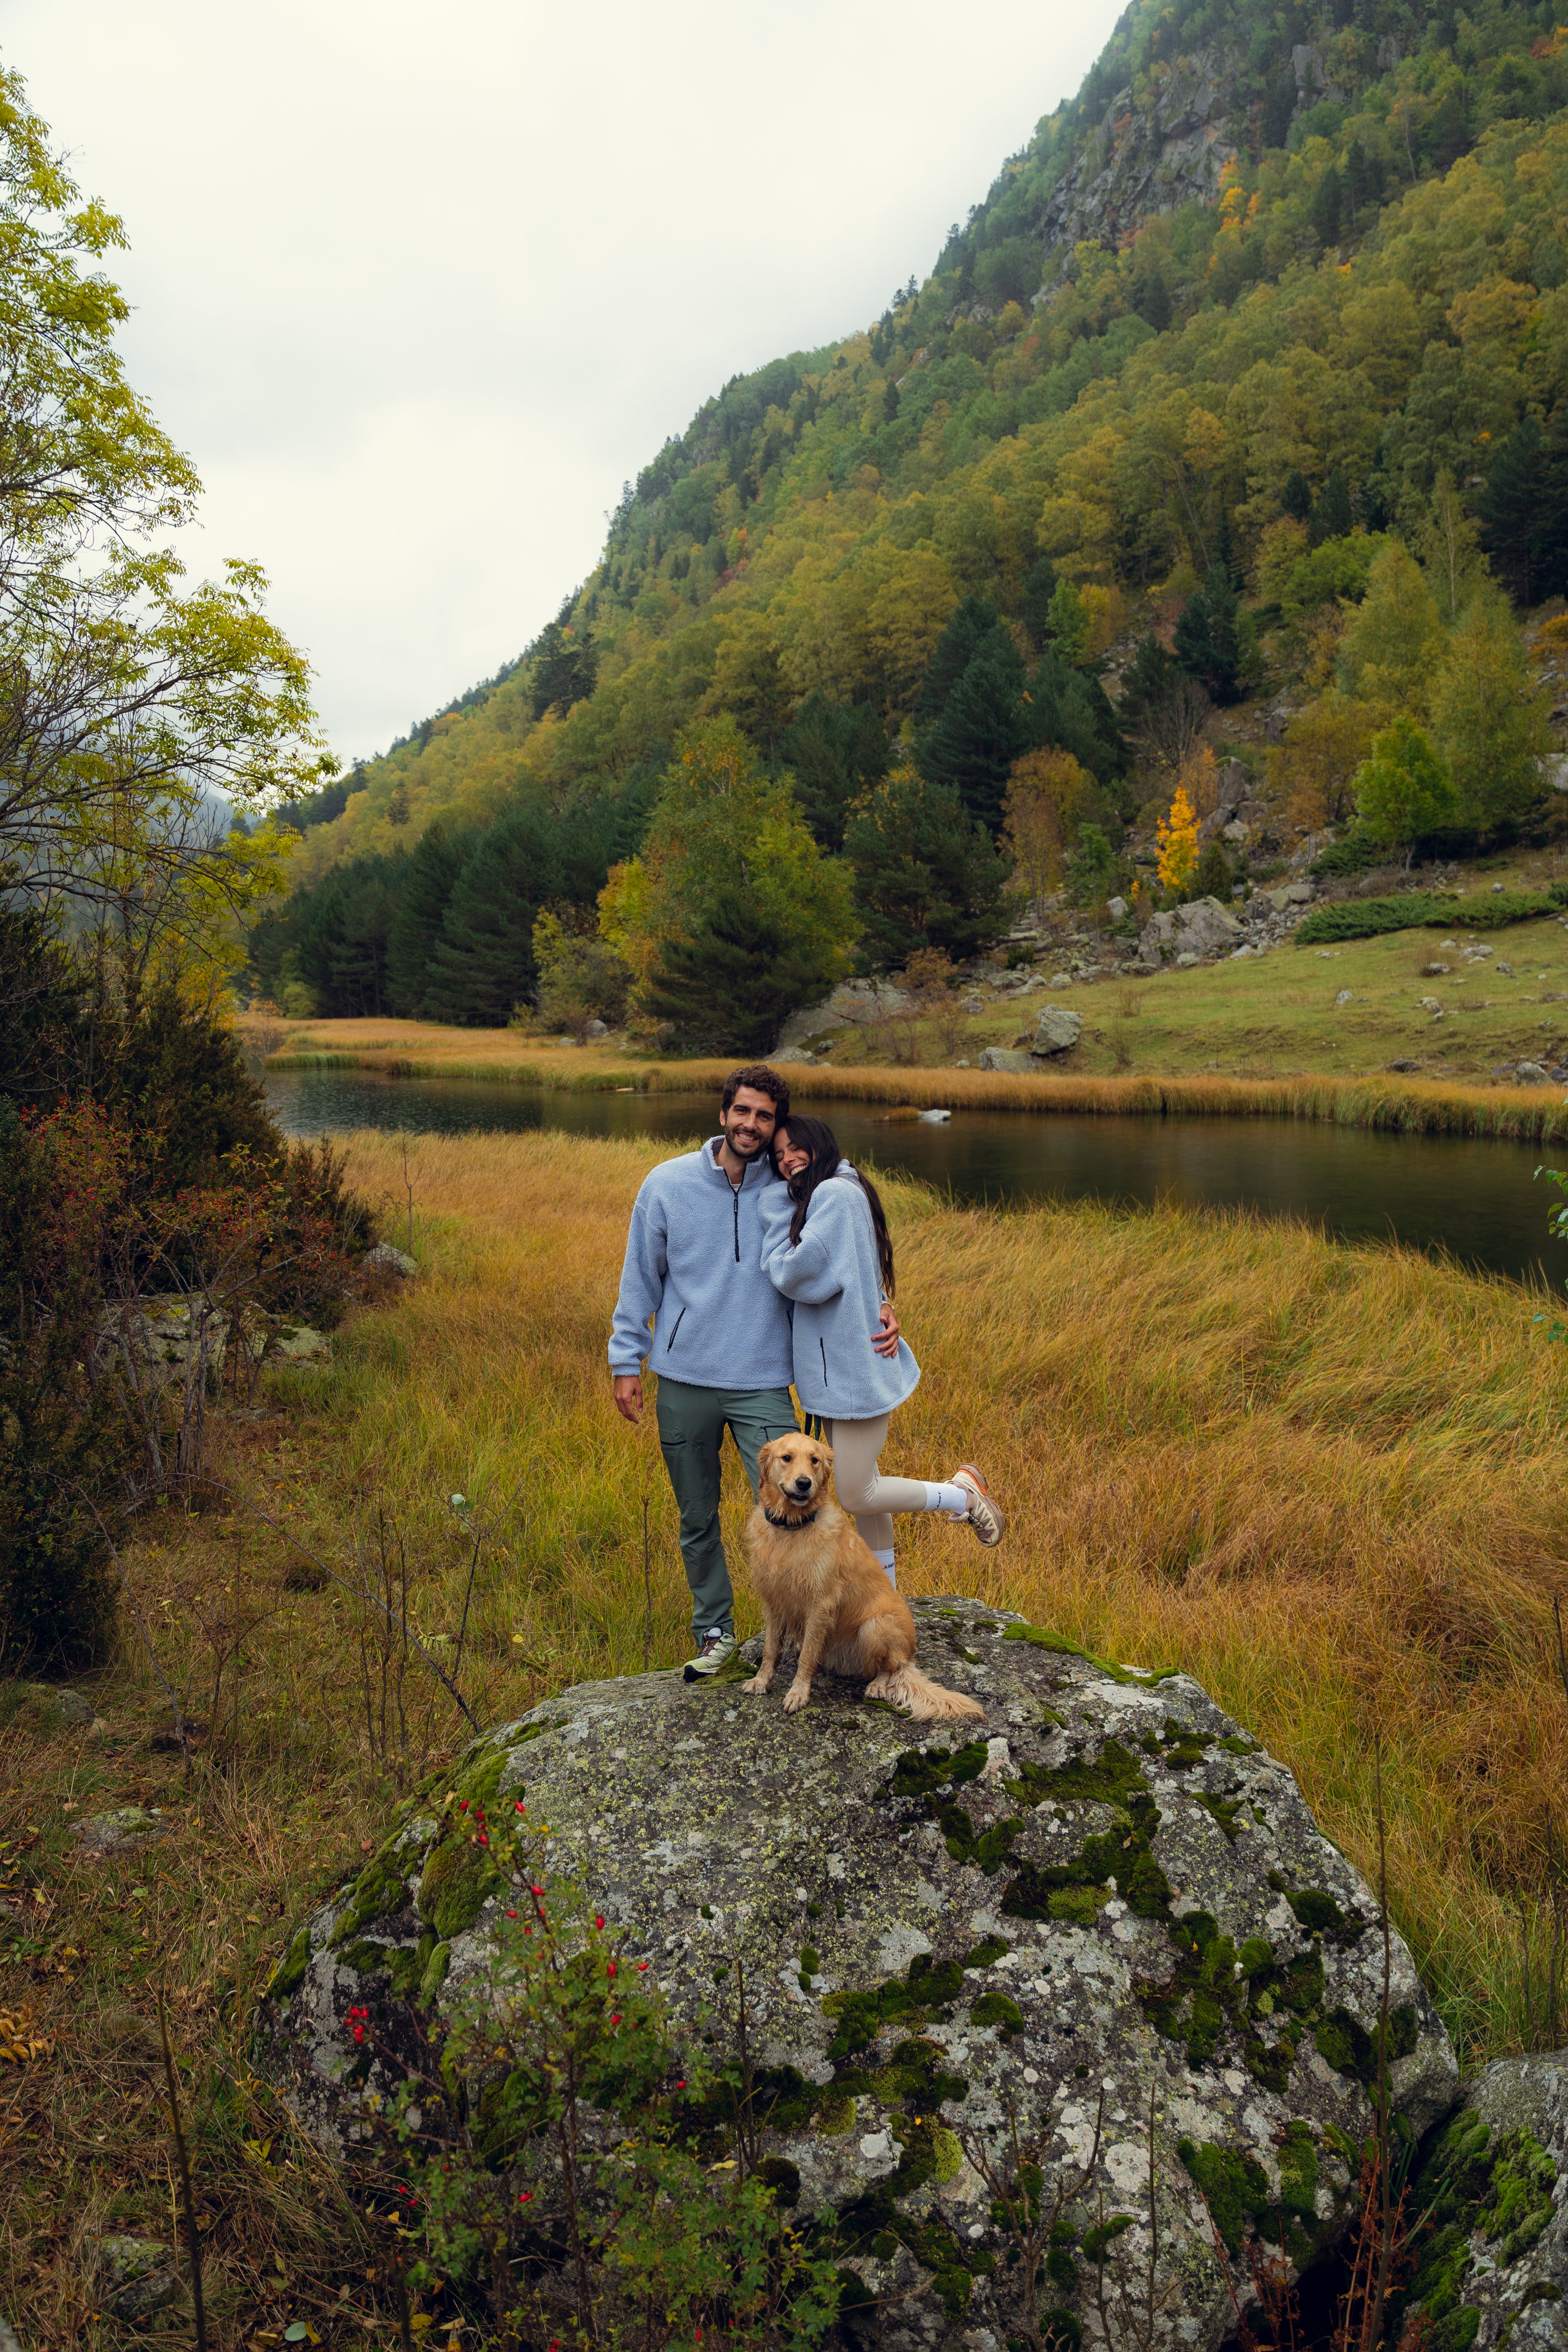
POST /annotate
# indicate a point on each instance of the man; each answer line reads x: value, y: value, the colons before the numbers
x: 721, y: 1342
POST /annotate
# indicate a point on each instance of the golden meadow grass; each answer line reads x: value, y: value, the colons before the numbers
x: 1415, y: 1106
x: 1329, y: 1481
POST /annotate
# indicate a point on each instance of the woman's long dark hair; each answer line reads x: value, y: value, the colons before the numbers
x: 815, y: 1135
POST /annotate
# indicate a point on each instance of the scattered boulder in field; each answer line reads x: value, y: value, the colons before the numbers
x: 1056, y: 1031
x: 139, y: 2276
x: 385, y: 1259
x: 1532, y: 1074
x: 1404, y: 1068
x: 1202, y: 927
x: 1492, y: 2258
x: 126, y: 1826
x: 51, y: 1707
x: 596, y: 1029
x: 1104, y: 1908
x: 1007, y: 1057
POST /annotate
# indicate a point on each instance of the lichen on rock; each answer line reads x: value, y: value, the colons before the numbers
x: 1492, y: 2202
x: 1108, y: 1916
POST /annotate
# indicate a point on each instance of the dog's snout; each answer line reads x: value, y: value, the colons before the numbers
x: 803, y: 1486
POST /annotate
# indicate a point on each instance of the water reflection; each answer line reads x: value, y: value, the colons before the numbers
x: 1475, y: 1199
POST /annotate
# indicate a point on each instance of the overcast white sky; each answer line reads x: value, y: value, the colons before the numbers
x: 419, y: 287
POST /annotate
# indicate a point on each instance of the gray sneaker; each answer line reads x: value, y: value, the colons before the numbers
x: 715, y: 1650
x: 986, y: 1515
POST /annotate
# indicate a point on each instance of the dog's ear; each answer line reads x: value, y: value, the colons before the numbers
x: 766, y: 1456
x: 827, y: 1452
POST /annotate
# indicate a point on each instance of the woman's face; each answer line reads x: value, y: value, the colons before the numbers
x: 789, y: 1157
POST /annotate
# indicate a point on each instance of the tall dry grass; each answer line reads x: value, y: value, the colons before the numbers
x: 1329, y: 1482
x: 1411, y: 1106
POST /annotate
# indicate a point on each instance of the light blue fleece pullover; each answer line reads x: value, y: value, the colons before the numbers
x: 836, y: 1282
x: 694, y: 1263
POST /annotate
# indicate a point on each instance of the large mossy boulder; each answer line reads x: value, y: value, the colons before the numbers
x: 1491, y: 2195
x: 1104, y: 1913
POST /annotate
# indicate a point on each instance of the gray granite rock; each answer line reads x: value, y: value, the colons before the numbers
x: 138, y: 2277
x: 1492, y: 2262
x: 1007, y: 1057
x: 1056, y: 1031
x: 1109, y: 1913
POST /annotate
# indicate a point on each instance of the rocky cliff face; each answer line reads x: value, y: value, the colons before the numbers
x: 1140, y: 161
x: 1107, y: 1918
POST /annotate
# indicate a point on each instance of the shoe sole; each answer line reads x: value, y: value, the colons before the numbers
x: 992, y: 1525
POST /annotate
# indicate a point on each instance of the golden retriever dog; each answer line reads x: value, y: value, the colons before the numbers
x: 821, y: 1588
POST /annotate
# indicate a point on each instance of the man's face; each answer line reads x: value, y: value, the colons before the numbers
x: 748, y: 1124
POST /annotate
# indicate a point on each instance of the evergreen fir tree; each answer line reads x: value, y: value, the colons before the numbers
x: 483, y: 963
x: 1296, y: 498
x: 435, y: 863
x: 1224, y: 558
x: 1332, y: 516
x: 981, y: 732
x: 971, y: 627
x: 1040, y: 587
x: 1152, y: 300
x: 835, y: 752
x: 566, y: 666
x: 1550, y: 537
x: 730, y: 987
x: 1146, y: 680
x: 1208, y: 637
x: 1516, y: 511
x: 925, y: 873
x: 1326, y: 202
x: 1069, y: 708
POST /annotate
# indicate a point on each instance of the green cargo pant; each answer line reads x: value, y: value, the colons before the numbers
x: 691, y: 1425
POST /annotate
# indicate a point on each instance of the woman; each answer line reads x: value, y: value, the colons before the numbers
x: 826, y: 1245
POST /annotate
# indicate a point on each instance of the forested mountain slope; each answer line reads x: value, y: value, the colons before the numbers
x: 1279, y: 299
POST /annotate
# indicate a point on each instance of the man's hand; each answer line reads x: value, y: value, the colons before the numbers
x: 886, y: 1343
x: 628, y: 1395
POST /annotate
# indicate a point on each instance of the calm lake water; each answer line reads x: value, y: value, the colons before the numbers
x: 1476, y: 1200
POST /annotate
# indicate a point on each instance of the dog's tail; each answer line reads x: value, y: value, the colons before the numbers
x: 919, y: 1696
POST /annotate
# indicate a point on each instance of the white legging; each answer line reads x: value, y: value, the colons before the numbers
x: 861, y: 1489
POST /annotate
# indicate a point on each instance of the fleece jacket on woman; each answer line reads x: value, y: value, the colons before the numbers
x: 833, y: 1275
x: 694, y: 1265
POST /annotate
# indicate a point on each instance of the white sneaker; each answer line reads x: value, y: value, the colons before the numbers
x: 985, y: 1514
x: 715, y: 1650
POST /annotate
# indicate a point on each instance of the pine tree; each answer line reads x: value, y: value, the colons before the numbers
x: 1069, y: 708
x: 975, y: 624
x: 1332, y: 516
x: 566, y: 666
x: 1296, y: 498
x: 1225, y: 556
x: 1509, y: 508
x: 1208, y: 637
x: 730, y: 987
x: 836, y: 751
x: 925, y: 873
x: 981, y: 732
x: 1326, y: 200
x: 1040, y: 587
x: 1146, y: 680
x: 1152, y: 300
x: 435, y: 863
x: 483, y: 963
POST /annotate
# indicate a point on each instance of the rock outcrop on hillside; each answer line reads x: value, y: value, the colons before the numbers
x: 1150, y: 159
x: 1108, y: 1914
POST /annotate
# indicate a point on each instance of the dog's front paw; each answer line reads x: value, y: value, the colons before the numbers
x: 757, y: 1683
x: 796, y: 1697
